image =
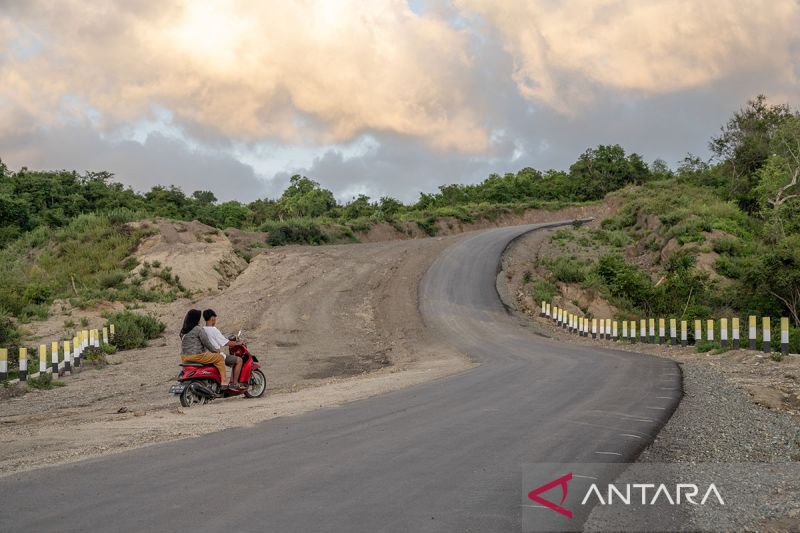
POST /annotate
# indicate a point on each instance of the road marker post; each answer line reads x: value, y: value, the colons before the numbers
x: 42, y: 359
x: 698, y: 331
x: 548, y: 316
x: 785, y: 335
x: 673, y: 331
x: 766, y: 334
x: 76, y: 351
x: 594, y: 328
x: 710, y: 330
x: 624, y: 329
x: 602, y: 328
x: 54, y: 357
x: 544, y: 309
x: 3, y: 364
x: 614, y: 330
x: 735, y: 327
x: 684, y: 332
x: 555, y: 314
x: 608, y: 328
x: 105, y: 335
x: 661, y: 331
x: 113, y: 333
x: 67, y: 358
x: 751, y: 333
x: 23, y: 364
x: 643, y: 330
x: 652, y: 330
x: 723, y: 332
x: 633, y: 332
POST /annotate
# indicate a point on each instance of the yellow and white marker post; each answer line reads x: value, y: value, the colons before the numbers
x: 723, y: 332
x: 3, y: 364
x: 54, y: 357
x: 735, y: 327
x: 751, y: 332
x: 544, y: 308
x: 710, y: 330
x: 555, y: 314
x: 633, y: 332
x: 608, y: 328
x: 662, y: 333
x: 684, y: 332
x: 698, y: 331
x: 652, y: 330
x: 67, y: 358
x: 76, y: 350
x: 602, y: 333
x: 785, y: 336
x: 614, y: 330
x: 625, y: 329
x: 23, y: 364
x: 673, y: 331
x: 643, y: 330
x: 42, y: 359
x: 548, y: 316
x: 594, y: 328
x: 105, y: 335
x: 113, y: 332
x: 766, y: 334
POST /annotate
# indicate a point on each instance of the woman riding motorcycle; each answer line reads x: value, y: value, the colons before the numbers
x: 196, y: 347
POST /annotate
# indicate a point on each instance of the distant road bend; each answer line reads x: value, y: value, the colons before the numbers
x: 441, y: 456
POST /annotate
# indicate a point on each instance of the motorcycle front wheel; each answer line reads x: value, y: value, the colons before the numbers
x: 257, y: 385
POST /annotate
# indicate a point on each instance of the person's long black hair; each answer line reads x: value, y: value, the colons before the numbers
x: 192, y: 319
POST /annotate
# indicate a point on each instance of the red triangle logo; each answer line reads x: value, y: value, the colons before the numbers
x: 562, y: 482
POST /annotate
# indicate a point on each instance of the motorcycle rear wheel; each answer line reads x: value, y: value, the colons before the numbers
x: 257, y: 385
x: 190, y: 398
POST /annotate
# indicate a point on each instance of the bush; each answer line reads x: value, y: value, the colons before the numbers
x: 624, y: 280
x: 542, y: 291
x: 296, y: 233
x: 9, y: 334
x: 133, y: 330
x: 567, y: 269
x: 115, y: 278
x: 44, y: 381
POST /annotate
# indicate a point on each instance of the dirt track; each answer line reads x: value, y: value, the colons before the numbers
x: 316, y: 315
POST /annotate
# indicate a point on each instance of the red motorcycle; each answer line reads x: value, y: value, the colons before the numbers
x: 199, y: 383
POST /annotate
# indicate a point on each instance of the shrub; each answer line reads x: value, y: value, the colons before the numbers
x: 133, y: 330
x: 624, y: 280
x: 296, y: 233
x: 543, y: 291
x: 9, y: 334
x: 567, y: 269
x: 428, y: 225
x: 44, y: 381
x: 111, y: 279
x: 727, y: 245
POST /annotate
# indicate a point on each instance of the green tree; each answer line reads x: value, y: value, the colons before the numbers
x: 305, y: 198
x: 743, y: 147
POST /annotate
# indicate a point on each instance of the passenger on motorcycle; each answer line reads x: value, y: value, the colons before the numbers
x: 197, y: 348
x: 219, y: 340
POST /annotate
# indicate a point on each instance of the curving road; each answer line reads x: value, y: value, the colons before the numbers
x: 442, y: 456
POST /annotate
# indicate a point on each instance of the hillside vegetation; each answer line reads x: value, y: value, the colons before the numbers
x: 710, y: 239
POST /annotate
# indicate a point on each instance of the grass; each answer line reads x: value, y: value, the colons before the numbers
x: 133, y: 330
x: 44, y: 381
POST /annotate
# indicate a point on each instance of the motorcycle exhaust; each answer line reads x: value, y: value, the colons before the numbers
x: 202, y: 390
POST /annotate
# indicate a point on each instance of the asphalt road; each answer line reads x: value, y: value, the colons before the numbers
x: 443, y: 456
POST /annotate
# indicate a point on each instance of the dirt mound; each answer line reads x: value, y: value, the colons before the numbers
x: 201, y: 256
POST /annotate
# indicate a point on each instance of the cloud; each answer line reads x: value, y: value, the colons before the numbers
x: 306, y: 71
x: 563, y: 51
x: 158, y: 160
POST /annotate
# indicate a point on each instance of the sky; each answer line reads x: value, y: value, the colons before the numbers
x: 378, y: 97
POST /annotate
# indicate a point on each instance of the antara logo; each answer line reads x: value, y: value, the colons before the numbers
x: 626, y: 494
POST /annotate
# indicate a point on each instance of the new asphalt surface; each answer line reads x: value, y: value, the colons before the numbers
x: 447, y: 455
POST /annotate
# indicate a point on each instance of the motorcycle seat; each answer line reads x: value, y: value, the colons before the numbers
x: 194, y: 364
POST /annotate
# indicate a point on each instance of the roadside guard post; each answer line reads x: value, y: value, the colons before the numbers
x: 608, y: 328
x: 614, y: 330
x: 42, y: 359
x: 710, y: 330
x: 684, y: 332
x: 3, y: 364
x: 594, y: 328
x: 735, y: 326
x: 766, y: 334
x: 673, y: 331
x: 785, y: 336
x: 624, y: 329
x: 661, y: 331
x: 652, y: 330
x: 643, y: 329
x: 67, y: 358
x: 633, y: 332
x: 113, y: 333
x: 105, y: 335
x: 23, y: 364
x: 751, y: 332
x: 54, y: 357
x: 723, y: 332
x: 698, y: 331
